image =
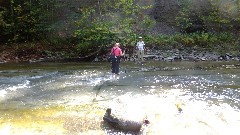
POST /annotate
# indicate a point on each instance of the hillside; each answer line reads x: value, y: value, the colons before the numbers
x: 177, y: 24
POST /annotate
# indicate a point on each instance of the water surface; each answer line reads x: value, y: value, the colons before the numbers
x: 71, y: 98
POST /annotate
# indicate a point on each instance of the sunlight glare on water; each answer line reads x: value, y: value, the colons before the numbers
x: 198, y: 117
x: 74, y: 101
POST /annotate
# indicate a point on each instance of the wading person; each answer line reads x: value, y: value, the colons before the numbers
x: 140, y: 49
x: 116, y: 61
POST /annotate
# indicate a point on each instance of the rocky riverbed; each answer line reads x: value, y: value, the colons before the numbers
x: 151, y: 54
x: 179, y: 55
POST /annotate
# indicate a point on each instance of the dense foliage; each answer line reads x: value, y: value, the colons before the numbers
x: 103, y: 22
x: 209, y: 16
x: 25, y: 20
x: 109, y: 22
x: 200, y: 39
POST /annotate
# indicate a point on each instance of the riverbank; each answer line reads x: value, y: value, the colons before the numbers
x: 34, y: 52
x: 39, y: 53
x: 181, y: 54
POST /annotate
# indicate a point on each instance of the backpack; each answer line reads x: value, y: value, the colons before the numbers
x: 112, y: 56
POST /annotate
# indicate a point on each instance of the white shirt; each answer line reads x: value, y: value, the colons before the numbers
x: 140, y: 45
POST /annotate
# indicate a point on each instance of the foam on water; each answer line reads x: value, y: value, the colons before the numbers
x: 12, y: 88
x: 3, y: 93
x: 198, y: 117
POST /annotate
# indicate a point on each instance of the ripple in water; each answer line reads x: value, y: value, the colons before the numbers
x: 73, y: 102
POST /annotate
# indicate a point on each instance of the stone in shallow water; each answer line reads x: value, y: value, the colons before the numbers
x: 122, y: 123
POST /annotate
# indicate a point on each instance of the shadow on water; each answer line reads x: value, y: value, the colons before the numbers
x: 71, y: 98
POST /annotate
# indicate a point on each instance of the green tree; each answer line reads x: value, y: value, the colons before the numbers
x: 216, y: 15
x: 111, y: 21
x: 26, y: 20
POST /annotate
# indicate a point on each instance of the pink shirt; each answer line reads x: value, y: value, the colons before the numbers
x: 116, y: 51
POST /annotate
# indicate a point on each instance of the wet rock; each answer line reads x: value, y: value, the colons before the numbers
x: 189, y: 54
x: 121, y: 123
x: 149, y: 56
x: 169, y: 59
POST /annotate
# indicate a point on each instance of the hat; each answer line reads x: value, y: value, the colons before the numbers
x: 139, y: 37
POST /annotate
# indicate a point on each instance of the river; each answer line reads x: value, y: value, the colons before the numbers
x: 71, y: 98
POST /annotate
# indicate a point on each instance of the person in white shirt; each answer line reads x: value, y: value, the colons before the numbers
x: 140, y: 49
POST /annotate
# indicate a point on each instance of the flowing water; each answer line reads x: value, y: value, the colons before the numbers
x: 71, y: 98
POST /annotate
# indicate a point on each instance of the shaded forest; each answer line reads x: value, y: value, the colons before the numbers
x: 35, y: 29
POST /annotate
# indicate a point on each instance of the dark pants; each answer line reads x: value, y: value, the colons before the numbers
x: 115, y: 65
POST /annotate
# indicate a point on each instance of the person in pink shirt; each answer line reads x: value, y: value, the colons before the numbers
x: 116, y: 61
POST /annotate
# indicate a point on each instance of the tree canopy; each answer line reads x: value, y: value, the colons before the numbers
x: 100, y: 23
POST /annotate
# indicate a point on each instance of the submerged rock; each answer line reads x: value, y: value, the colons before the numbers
x: 122, y: 123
